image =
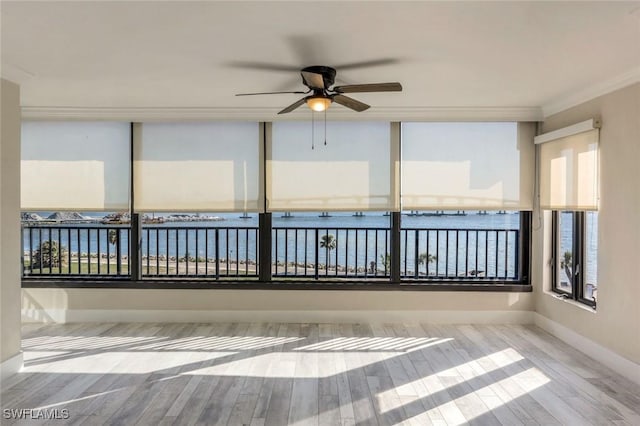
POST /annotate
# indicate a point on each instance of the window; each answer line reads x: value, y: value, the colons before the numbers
x: 467, y: 192
x: 575, y: 254
x: 569, y: 186
x: 381, y: 203
x: 74, y: 180
x: 564, y: 231
x: 590, y: 282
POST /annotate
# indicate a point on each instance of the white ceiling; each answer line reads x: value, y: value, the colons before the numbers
x: 447, y: 55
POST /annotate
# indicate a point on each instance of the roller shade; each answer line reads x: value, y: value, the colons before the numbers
x: 82, y: 166
x: 569, y: 172
x: 467, y: 166
x: 352, y: 172
x: 197, y: 167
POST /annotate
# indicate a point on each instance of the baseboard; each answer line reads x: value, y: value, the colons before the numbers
x: 350, y: 316
x: 617, y: 363
x: 11, y: 366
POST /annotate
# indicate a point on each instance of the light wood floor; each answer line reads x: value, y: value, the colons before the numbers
x: 278, y: 374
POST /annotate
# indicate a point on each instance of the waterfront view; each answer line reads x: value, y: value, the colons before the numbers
x: 443, y: 244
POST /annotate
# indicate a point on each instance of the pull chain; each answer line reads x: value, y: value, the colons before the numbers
x: 325, y: 126
x: 313, y: 114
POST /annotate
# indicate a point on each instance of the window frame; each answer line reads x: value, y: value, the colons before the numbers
x: 578, y: 260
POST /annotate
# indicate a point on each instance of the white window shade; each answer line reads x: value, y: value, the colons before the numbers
x: 81, y: 166
x: 569, y: 172
x: 352, y: 172
x: 197, y: 167
x: 467, y: 166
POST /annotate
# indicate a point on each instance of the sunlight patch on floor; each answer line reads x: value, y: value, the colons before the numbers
x: 84, y: 342
x: 402, y: 344
x: 519, y: 385
x: 219, y: 343
x: 112, y: 362
x: 79, y: 399
x: 283, y: 365
x: 157, y: 343
x: 430, y: 384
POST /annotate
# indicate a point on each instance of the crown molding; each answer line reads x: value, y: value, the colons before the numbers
x: 572, y: 99
x: 271, y: 114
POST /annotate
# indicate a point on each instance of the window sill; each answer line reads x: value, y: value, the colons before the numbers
x: 280, y: 285
x: 559, y: 298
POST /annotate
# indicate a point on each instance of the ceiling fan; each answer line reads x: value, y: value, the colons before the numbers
x: 320, y: 79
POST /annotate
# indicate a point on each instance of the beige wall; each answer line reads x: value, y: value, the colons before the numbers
x: 287, y: 305
x: 9, y: 220
x: 616, y: 324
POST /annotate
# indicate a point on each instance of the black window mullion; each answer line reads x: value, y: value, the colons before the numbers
x: 556, y: 255
x: 580, y: 259
x: 575, y: 259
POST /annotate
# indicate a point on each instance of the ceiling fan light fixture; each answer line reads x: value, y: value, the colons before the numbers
x: 319, y: 103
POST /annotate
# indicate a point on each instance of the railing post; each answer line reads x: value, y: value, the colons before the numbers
x: 417, y: 253
x: 265, y: 230
x: 118, y: 253
x: 135, y: 244
x: 217, y: 254
x: 317, y: 254
x: 523, y: 264
x: 516, y: 260
x: 395, y: 247
x: 135, y: 235
x: 22, y: 270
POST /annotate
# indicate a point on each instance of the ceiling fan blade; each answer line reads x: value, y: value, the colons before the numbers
x: 293, y: 106
x: 270, y: 93
x: 366, y: 64
x: 313, y: 80
x: 351, y: 103
x: 375, y: 87
x: 263, y: 66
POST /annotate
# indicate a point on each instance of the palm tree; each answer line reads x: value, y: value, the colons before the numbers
x: 328, y: 242
x: 113, y: 237
x: 49, y: 255
x: 426, y: 259
x: 566, y: 264
x: 385, y: 259
x: 114, y: 240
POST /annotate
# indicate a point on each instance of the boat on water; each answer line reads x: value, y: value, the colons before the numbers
x: 153, y: 220
x: 437, y: 213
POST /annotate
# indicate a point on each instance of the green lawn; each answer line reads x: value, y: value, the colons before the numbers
x: 83, y: 268
x: 77, y: 268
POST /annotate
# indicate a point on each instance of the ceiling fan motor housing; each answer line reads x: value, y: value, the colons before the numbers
x: 328, y: 75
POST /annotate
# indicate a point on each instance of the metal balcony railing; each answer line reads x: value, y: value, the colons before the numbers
x: 296, y: 252
x: 461, y: 254
x: 331, y: 252
x: 199, y: 252
x: 75, y: 251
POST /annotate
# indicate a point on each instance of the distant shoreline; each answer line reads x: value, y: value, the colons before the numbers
x: 112, y: 219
